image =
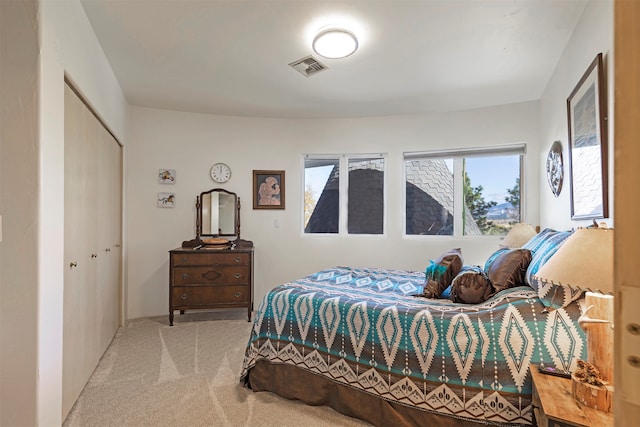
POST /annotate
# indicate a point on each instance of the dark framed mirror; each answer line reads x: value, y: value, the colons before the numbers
x: 218, y: 214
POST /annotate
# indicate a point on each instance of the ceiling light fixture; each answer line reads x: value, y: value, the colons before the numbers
x: 334, y: 43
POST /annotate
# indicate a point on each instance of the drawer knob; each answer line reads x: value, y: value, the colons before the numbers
x: 237, y: 275
x: 237, y: 259
x: 185, y: 259
x: 237, y: 294
x: 108, y: 250
x: 73, y: 264
x: 183, y: 296
x: 184, y: 276
x: 94, y: 255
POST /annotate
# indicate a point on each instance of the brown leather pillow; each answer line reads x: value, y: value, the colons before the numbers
x: 471, y: 286
x: 441, y: 272
x: 508, y: 269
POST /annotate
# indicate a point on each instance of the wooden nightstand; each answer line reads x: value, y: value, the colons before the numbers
x: 553, y: 404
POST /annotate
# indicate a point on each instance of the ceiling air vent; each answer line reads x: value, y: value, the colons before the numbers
x: 308, y: 66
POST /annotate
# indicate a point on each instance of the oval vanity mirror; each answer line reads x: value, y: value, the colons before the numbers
x: 218, y: 214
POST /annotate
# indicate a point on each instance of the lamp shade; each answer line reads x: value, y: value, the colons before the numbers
x: 518, y: 235
x: 584, y: 261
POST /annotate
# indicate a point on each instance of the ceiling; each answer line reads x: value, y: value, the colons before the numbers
x: 231, y: 56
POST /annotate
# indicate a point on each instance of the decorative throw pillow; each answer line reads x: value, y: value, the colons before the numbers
x: 441, y: 272
x: 542, y: 247
x: 471, y: 286
x: 508, y: 269
x: 493, y: 257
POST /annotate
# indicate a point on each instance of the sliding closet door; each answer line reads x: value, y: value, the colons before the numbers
x: 109, y: 208
x: 93, y: 224
x: 88, y: 306
x: 77, y: 264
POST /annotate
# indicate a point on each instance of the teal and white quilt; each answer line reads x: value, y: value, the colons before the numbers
x: 365, y: 328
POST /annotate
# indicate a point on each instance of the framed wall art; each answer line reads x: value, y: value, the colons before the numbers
x: 587, y: 116
x: 268, y: 189
x: 166, y: 200
x: 166, y: 176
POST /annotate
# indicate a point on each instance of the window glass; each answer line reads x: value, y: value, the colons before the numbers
x: 491, y: 194
x: 321, y: 195
x: 469, y: 192
x: 366, y: 196
x: 429, y: 196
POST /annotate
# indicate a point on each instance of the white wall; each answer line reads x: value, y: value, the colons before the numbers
x: 191, y: 143
x: 593, y: 34
x: 46, y: 39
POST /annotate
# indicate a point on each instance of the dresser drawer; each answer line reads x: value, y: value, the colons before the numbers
x: 200, y: 296
x: 209, y: 258
x: 210, y: 276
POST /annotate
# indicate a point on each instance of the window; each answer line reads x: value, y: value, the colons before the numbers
x: 463, y: 192
x: 344, y: 194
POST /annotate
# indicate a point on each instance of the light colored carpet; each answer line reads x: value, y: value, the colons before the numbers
x: 186, y: 375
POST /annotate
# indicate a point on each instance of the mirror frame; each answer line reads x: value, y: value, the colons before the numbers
x: 236, y: 215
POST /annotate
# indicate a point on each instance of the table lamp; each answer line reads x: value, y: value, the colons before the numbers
x: 585, y: 262
x: 519, y: 234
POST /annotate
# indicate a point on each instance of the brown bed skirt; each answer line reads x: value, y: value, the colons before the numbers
x: 294, y: 383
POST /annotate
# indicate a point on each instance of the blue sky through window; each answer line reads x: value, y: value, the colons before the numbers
x: 496, y: 174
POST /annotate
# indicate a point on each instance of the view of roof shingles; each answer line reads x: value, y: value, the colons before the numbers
x: 429, y: 198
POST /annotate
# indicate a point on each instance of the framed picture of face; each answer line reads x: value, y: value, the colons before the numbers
x: 268, y: 189
x: 588, y: 160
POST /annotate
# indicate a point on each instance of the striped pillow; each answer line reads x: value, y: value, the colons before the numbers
x: 542, y: 247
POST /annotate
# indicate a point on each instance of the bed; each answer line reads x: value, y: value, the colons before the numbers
x: 367, y: 343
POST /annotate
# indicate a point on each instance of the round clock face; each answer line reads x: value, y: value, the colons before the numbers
x: 220, y: 172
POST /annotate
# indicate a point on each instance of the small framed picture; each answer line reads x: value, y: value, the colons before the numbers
x: 166, y: 200
x: 166, y: 176
x: 268, y: 189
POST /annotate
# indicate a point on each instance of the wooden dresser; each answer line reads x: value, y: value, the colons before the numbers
x: 211, y: 278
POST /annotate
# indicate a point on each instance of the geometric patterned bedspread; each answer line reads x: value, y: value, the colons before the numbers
x: 365, y: 328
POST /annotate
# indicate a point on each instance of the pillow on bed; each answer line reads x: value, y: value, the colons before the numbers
x: 471, y: 286
x: 542, y: 247
x: 493, y: 257
x: 440, y: 273
x: 508, y: 269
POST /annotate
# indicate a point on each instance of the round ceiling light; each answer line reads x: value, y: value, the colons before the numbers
x: 334, y: 43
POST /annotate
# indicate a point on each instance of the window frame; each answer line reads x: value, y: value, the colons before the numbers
x: 458, y: 156
x: 343, y: 189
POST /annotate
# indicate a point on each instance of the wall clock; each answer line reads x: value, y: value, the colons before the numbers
x: 220, y: 172
x: 555, y: 171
